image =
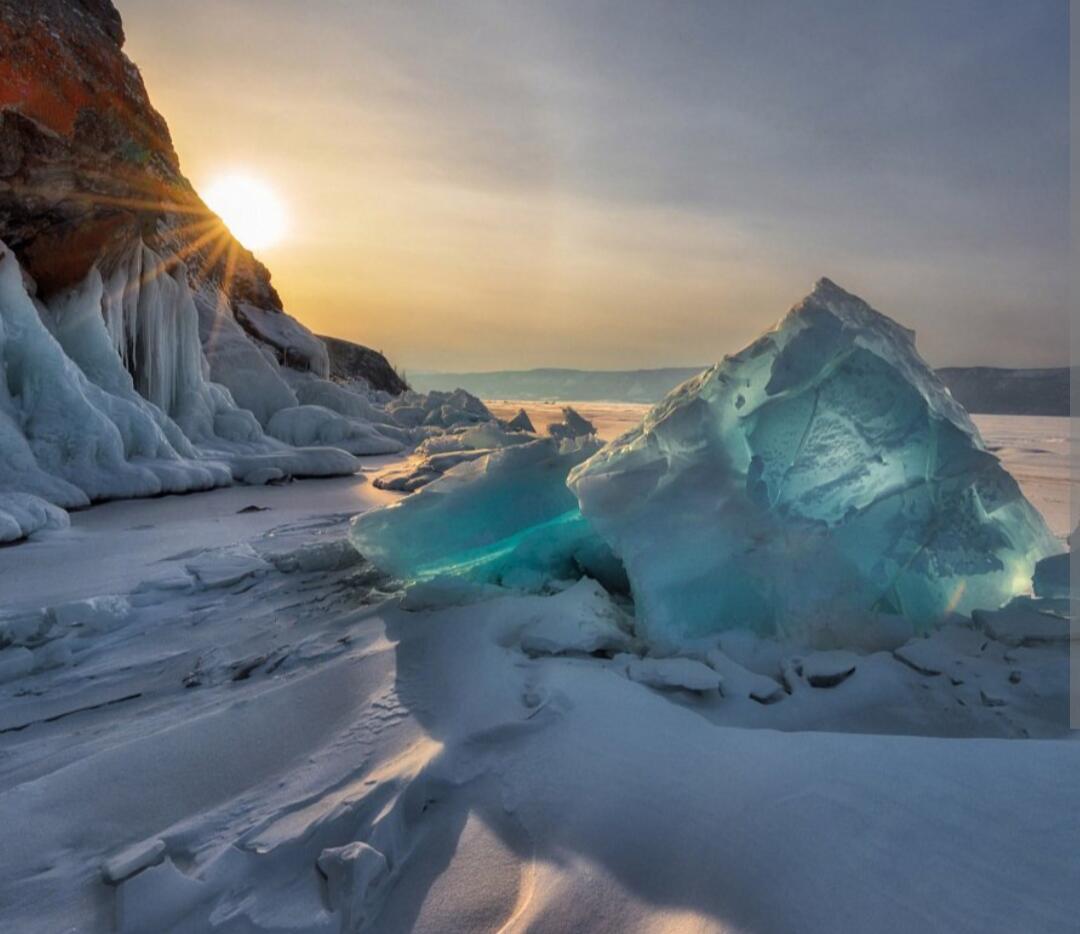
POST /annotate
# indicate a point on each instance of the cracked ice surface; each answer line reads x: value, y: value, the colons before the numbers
x: 822, y: 485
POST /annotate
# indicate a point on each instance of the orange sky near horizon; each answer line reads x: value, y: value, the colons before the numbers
x: 437, y: 273
x: 430, y: 174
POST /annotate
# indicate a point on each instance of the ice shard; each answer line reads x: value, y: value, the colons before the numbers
x: 505, y: 518
x: 819, y: 483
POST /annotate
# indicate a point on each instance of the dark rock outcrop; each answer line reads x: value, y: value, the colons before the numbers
x: 349, y: 362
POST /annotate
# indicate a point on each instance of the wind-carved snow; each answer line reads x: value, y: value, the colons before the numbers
x: 821, y: 485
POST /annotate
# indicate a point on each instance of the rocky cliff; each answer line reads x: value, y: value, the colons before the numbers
x: 87, y: 169
x: 350, y: 362
x: 143, y: 350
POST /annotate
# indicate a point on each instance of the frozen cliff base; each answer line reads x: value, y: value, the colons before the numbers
x: 106, y: 392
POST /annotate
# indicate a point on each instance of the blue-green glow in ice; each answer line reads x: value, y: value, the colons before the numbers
x: 508, y: 518
x: 822, y: 486
x: 821, y: 482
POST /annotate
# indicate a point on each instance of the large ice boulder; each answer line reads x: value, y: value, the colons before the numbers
x: 818, y: 485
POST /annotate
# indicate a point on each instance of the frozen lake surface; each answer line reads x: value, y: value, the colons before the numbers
x: 254, y: 731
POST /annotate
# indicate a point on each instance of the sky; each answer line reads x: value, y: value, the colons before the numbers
x: 584, y: 183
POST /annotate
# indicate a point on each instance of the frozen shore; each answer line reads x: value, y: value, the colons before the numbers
x: 253, y: 732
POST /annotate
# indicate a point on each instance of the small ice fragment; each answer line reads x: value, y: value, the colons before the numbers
x: 1051, y: 578
x: 521, y: 422
x: 924, y: 656
x: 670, y: 673
x: 353, y: 872
x: 97, y: 614
x: 133, y: 859
x: 739, y: 681
x: 24, y: 628
x: 828, y: 669
x: 572, y: 426
x: 333, y: 555
x: 1027, y: 621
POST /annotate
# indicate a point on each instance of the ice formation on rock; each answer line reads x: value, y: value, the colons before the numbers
x: 816, y: 483
x: 23, y: 514
x: 294, y: 344
x: 67, y: 439
x: 143, y: 350
x: 106, y: 392
x: 251, y: 375
x: 505, y: 518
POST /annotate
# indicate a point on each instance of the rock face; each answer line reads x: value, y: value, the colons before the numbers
x: 818, y: 485
x: 350, y: 362
x: 88, y: 170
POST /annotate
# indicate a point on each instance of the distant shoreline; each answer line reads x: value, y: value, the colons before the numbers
x: 981, y: 390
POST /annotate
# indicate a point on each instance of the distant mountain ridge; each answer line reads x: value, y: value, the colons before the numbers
x: 1003, y: 391
x: 556, y: 383
x: 981, y: 390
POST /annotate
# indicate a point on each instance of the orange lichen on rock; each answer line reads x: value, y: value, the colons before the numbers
x: 52, y: 80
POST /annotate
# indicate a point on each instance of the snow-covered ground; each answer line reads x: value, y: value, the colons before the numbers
x: 288, y: 744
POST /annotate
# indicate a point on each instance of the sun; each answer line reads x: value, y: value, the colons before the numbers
x: 250, y: 209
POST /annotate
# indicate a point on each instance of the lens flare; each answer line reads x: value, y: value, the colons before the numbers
x: 250, y: 209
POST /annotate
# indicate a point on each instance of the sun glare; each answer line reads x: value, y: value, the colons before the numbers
x: 249, y: 208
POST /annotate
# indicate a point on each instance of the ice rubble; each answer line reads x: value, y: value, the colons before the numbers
x: 521, y: 422
x: 107, y: 390
x: 820, y: 487
x: 439, y: 453
x: 573, y: 425
x: 817, y: 483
